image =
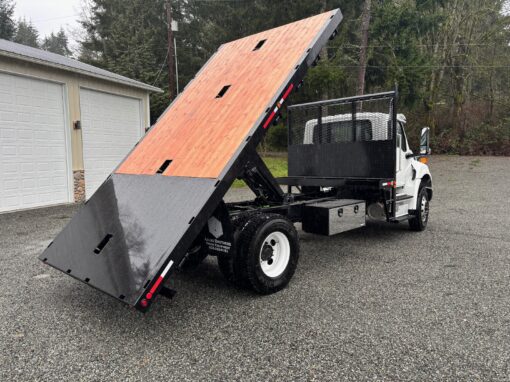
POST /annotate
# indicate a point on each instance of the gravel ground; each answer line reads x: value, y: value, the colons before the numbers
x: 380, y: 303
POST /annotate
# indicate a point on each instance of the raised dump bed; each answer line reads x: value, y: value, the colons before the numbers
x: 141, y: 222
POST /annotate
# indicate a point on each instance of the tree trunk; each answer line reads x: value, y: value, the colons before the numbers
x: 171, y: 53
x: 491, y: 85
x: 365, y: 24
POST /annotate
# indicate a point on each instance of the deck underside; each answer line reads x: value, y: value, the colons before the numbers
x: 146, y: 217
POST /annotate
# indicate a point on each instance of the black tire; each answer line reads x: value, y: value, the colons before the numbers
x: 230, y: 266
x: 419, y: 221
x: 252, y: 240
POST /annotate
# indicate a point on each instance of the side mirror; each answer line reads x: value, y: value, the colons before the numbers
x: 425, y: 141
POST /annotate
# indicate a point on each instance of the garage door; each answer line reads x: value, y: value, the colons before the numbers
x: 111, y: 125
x: 33, y: 156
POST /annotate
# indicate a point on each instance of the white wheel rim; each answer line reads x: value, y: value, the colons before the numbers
x: 424, y: 209
x: 280, y: 257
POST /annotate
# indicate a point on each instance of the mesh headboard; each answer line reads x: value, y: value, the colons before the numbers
x: 345, y: 138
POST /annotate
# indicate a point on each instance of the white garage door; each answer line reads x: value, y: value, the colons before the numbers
x: 111, y: 126
x: 33, y: 157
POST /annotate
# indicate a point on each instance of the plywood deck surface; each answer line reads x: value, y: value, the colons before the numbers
x: 200, y: 133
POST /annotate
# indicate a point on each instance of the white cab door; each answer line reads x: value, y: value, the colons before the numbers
x: 405, y: 181
x: 34, y: 156
x: 111, y: 126
x: 404, y: 165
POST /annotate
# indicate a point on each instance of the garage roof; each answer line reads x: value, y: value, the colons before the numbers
x: 27, y: 53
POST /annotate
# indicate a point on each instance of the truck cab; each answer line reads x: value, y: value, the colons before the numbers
x: 411, y: 170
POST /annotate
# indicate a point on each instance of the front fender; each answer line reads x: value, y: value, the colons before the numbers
x: 422, y: 172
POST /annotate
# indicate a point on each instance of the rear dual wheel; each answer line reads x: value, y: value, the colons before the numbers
x: 266, y: 255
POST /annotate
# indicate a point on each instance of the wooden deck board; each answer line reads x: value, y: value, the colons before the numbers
x: 201, y: 133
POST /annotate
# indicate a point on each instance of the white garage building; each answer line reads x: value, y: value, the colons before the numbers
x: 64, y: 126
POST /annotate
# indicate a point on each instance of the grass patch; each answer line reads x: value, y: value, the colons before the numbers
x: 277, y: 166
x: 474, y: 163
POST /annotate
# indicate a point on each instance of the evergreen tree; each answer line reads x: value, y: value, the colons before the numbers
x: 57, y: 43
x: 26, y: 34
x: 450, y: 58
x: 7, y: 24
x: 129, y: 38
x: 396, y: 54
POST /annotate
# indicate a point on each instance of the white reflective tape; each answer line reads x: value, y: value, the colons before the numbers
x: 167, y: 268
x: 276, y: 109
x: 282, y: 101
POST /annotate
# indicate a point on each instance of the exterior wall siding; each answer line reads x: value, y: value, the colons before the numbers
x: 72, y: 83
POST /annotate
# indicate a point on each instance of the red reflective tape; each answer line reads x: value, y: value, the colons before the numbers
x: 268, y: 121
x: 150, y: 294
x: 287, y: 92
x: 273, y: 113
x: 156, y: 284
x: 278, y: 105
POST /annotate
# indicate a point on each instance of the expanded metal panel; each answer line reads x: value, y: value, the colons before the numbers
x: 351, y: 138
x: 356, y: 121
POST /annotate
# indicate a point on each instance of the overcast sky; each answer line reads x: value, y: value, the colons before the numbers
x: 49, y: 15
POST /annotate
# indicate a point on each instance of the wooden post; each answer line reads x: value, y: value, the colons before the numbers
x: 171, y: 54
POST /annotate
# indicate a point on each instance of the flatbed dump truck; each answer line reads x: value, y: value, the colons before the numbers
x: 162, y: 208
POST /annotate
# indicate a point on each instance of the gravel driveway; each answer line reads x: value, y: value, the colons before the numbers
x: 379, y: 303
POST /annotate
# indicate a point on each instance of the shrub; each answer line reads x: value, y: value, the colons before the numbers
x: 276, y: 138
